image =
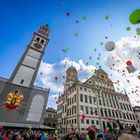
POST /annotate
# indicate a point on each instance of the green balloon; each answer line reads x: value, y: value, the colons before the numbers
x: 128, y: 28
x: 138, y: 33
x: 84, y: 18
x: 101, y: 43
x: 76, y: 34
x: 106, y: 17
x: 134, y: 18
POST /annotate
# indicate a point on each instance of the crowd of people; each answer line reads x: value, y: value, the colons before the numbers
x: 91, y: 134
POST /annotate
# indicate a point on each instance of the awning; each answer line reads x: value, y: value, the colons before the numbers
x: 20, y: 125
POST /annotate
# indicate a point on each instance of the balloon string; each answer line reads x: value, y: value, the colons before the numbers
x: 120, y: 57
x: 135, y: 47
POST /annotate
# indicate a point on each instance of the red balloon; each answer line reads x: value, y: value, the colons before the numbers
x: 83, y: 116
x: 56, y: 78
x: 128, y: 62
x: 67, y: 14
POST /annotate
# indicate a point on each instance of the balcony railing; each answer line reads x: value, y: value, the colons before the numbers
x: 3, y: 79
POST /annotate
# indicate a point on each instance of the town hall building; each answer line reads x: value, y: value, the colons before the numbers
x: 93, y: 103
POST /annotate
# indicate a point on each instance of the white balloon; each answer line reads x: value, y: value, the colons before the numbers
x: 110, y: 46
x: 138, y: 29
x: 80, y: 111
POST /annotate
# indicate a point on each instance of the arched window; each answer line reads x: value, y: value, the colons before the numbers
x: 36, y: 108
x: 22, y: 81
x: 37, y: 39
x: 42, y: 41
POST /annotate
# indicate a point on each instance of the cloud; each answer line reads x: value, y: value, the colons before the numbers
x: 53, y: 76
x: 127, y: 48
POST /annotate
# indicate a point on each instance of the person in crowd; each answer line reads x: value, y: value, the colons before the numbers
x: 125, y: 136
x: 8, y: 136
x: 91, y: 135
x: 100, y: 137
x: 82, y: 136
x: 2, y: 135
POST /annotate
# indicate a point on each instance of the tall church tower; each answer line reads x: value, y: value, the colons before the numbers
x: 71, y: 77
x: 27, y: 68
x: 20, y: 101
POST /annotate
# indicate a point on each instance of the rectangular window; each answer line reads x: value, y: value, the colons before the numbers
x: 87, y: 110
x: 124, y: 116
x: 82, y: 121
x: 106, y: 113
x: 86, y: 99
x: 109, y: 113
x: 91, y: 110
x: 81, y: 97
x: 100, y: 103
x: 72, y: 121
x: 95, y: 111
x: 92, y: 121
x: 113, y: 113
x: 81, y: 88
x: 82, y: 109
x: 75, y: 98
x: 75, y: 110
x: 124, y: 106
x: 117, y: 114
x: 70, y: 101
x: 94, y: 100
x: 85, y: 89
x: 90, y: 99
x: 97, y: 122
x: 87, y: 121
x: 101, y: 111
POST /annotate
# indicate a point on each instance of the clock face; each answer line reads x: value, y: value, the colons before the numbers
x: 38, y: 46
x: 102, y: 76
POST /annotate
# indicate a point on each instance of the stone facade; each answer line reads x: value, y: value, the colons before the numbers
x: 51, y: 118
x: 137, y: 112
x: 97, y: 99
x: 20, y: 101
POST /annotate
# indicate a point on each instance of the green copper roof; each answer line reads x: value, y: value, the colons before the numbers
x: 72, y: 68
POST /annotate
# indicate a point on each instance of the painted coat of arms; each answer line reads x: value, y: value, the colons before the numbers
x: 13, y: 100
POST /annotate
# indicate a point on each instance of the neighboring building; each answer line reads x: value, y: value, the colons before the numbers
x: 21, y: 103
x: 96, y: 99
x: 51, y: 117
x: 137, y: 112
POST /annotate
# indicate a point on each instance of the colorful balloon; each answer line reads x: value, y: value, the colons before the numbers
x: 135, y: 17
x: 84, y: 18
x: 128, y: 62
x: 128, y: 28
x: 77, y: 21
x: 67, y: 14
x: 76, y: 34
x: 106, y: 17
x: 110, y: 46
x: 83, y: 116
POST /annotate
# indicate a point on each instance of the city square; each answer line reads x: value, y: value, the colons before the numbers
x: 70, y: 70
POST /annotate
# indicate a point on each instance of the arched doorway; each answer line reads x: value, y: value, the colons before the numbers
x: 49, y: 124
x: 54, y: 125
x: 36, y: 108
